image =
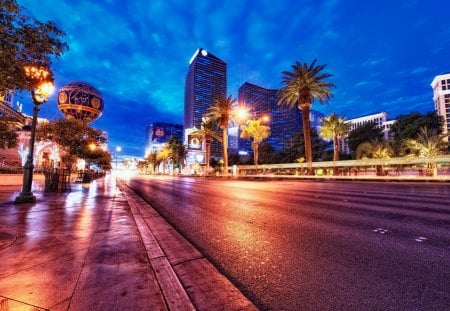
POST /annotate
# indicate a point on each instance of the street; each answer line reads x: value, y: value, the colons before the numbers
x: 307, y: 245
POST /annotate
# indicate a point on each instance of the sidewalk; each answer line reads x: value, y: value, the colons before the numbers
x: 101, y: 247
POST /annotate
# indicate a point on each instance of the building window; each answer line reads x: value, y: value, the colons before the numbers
x: 447, y: 98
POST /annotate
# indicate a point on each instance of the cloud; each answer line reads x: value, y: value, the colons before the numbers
x: 375, y: 61
x: 137, y: 52
x: 362, y: 83
x: 420, y: 70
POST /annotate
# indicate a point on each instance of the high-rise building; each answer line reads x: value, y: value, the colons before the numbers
x: 381, y: 121
x: 158, y: 133
x: 283, y: 121
x: 315, y: 119
x: 441, y: 98
x: 206, y: 81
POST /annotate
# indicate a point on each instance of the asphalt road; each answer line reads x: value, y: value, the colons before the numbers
x: 305, y: 245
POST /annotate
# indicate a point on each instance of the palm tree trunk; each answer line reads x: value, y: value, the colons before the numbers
x: 208, y: 156
x: 225, y: 151
x: 335, y: 154
x: 380, y: 170
x: 335, y: 149
x: 255, y: 153
x: 307, y: 137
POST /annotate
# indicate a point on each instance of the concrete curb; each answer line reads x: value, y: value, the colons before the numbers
x: 187, y: 280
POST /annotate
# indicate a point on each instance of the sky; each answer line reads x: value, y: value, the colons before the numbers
x: 382, y: 54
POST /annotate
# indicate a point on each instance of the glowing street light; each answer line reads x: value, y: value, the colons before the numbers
x: 265, y: 118
x: 242, y: 113
x: 92, y: 148
x: 118, y: 149
x: 40, y: 94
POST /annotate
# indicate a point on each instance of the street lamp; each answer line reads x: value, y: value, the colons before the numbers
x: 92, y: 148
x: 242, y: 113
x: 265, y: 118
x: 118, y: 149
x: 39, y: 95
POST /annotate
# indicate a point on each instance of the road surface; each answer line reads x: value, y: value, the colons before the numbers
x: 307, y: 245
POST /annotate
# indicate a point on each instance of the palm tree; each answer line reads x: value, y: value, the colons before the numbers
x: 152, y: 158
x: 375, y: 149
x: 333, y: 127
x: 257, y: 132
x: 208, y: 132
x: 429, y: 144
x: 223, y: 111
x: 301, y: 86
x: 178, y: 151
x: 164, y: 155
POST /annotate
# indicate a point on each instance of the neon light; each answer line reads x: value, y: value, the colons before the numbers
x: 193, y: 56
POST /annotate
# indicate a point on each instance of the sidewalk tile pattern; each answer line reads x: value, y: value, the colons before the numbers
x: 101, y: 247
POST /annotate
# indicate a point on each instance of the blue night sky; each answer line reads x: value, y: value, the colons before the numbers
x: 383, y: 54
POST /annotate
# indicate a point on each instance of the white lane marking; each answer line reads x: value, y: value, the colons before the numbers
x: 420, y: 239
x: 380, y: 230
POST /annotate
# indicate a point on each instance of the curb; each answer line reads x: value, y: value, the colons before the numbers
x: 187, y: 280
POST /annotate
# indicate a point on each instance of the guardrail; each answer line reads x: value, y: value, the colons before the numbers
x: 393, y: 166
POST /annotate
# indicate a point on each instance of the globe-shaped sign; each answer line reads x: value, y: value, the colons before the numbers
x: 79, y: 100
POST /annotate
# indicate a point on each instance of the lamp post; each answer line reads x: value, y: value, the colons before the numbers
x: 91, y: 147
x: 39, y: 96
x: 118, y: 149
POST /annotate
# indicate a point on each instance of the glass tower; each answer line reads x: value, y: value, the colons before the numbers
x: 206, y: 80
x: 283, y: 122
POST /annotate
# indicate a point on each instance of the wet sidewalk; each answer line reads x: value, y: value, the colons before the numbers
x: 101, y: 247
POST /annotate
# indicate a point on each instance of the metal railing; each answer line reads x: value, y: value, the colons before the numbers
x: 19, y: 170
x: 393, y: 166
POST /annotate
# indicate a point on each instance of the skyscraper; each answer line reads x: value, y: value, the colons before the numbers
x: 441, y: 98
x: 262, y: 102
x: 206, y: 80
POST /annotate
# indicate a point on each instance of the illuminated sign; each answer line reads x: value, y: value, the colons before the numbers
x: 159, y: 132
x: 194, y: 143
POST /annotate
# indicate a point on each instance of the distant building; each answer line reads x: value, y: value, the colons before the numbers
x: 283, y: 122
x: 315, y: 119
x: 259, y: 101
x: 380, y: 119
x: 6, y: 98
x: 45, y: 153
x: 7, y: 110
x: 441, y: 98
x: 206, y: 81
x: 158, y: 133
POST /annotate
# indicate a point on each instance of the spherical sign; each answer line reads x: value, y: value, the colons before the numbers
x: 79, y: 100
